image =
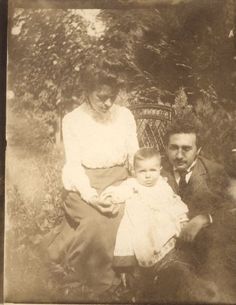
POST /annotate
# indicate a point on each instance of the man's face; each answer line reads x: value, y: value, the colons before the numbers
x: 182, y: 150
x: 147, y: 171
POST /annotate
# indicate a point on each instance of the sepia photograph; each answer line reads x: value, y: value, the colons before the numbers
x: 120, y: 167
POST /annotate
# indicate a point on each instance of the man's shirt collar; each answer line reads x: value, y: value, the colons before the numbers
x: 189, y: 172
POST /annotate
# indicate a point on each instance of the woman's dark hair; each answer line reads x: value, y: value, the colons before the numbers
x: 101, y: 72
x: 185, y: 125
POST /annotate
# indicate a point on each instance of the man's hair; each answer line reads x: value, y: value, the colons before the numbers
x: 146, y: 153
x: 187, y: 126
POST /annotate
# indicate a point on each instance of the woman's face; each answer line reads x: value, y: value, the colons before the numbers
x: 102, y: 98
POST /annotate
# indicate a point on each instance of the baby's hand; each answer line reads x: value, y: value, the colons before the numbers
x: 116, y: 208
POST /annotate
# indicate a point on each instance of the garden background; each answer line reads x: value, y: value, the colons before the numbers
x: 175, y: 53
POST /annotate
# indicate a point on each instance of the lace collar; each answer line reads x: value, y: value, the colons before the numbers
x: 105, y: 118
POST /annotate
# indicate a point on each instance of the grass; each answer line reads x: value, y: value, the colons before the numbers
x: 33, y: 196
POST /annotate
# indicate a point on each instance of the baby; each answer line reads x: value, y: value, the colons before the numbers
x: 153, y: 215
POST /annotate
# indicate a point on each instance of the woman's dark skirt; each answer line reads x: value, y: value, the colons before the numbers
x: 84, y: 242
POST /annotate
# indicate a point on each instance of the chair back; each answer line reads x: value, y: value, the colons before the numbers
x: 152, y: 121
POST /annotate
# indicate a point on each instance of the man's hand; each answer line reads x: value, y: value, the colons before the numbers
x: 191, y: 229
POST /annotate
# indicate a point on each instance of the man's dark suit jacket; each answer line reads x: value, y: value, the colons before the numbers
x: 206, y: 188
x: 206, y: 193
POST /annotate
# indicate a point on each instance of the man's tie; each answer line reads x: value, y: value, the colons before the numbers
x: 182, y: 183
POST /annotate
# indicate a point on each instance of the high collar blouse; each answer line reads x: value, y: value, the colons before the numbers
x: 95, y: 144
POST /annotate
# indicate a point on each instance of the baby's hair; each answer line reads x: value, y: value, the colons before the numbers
x: 146, y: 153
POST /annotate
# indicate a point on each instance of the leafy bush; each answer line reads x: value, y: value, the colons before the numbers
x: 217, y: 125
x: 34, y: 206
x: 166, y: 48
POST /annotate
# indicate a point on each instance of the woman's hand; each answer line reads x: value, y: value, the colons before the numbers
x: 191, y: 229
x: 111, y: 199
x: 105, y: 206
x: 110, y: 196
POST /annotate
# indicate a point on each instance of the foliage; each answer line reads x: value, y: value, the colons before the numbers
x: 29, y: 127
x: 180, y: 56
x: 157, y: 52
x: 34, y: 206
x: 218, y: 127
x: 41, y: 207
x: 172, y: 47
x: 216, y: 124
x: 45, y: 49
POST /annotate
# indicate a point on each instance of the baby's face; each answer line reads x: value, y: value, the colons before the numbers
x: 147, y: 171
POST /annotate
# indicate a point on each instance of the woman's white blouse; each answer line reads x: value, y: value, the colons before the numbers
x: 95, y: 144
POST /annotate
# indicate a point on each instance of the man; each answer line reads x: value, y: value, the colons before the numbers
x: 200, y: 183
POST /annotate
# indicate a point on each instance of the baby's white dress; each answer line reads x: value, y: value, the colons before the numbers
x: 152, y: 220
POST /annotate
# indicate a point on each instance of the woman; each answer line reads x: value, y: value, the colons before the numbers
x: 100, y: 141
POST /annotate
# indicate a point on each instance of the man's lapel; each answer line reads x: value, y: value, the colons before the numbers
x: 197, y: 180
x: 169, y: 174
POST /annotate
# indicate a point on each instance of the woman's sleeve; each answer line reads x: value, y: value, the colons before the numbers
x: 132, y: 138
x: 73, y: 174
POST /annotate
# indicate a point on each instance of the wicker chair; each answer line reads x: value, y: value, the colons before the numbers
x: 152, y: 121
